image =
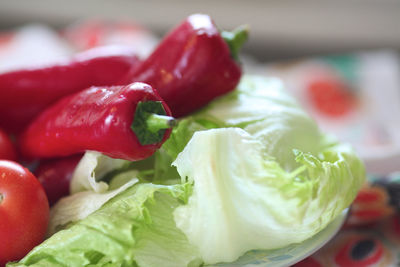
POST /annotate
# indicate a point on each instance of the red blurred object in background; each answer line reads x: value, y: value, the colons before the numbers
x: 7, y: 149
x: 308, y: 262
x: 331, y: 97
x: 371, y: 205
x: 92, y: 33
x: 55, y: 176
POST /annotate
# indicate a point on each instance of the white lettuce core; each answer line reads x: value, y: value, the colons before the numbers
x: 242, y: 199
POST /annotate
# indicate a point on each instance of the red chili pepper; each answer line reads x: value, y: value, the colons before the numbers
x: 55, y: 176
x: 192, y: 65
x: 7, y: 149
x: 25, y: 93
x: 128, y: 122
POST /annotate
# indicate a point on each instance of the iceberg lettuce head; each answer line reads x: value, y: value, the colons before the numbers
x: 249, y: 171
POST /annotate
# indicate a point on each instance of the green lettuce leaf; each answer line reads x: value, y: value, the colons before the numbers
x: 135, y: 228
x: 263, y: 108
x: 243, y: 199
x: 88, y: 190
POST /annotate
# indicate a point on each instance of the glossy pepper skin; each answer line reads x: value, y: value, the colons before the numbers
x: 25, y: 93
x: 191, y: 66
x: 98, y: 118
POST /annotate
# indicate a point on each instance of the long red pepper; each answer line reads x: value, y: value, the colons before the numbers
x: 192, y: 65
x: 128, y: 122
x: 24, y: 93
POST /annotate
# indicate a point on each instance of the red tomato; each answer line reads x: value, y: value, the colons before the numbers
x: 55, y: 176
x: 7, y: 150
x: 24, y: 211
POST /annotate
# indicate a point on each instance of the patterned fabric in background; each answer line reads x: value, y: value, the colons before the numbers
x: 354, y: 96
x: 371, y: 234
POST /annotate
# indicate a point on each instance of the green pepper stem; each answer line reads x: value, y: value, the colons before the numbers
x: 150, y: 122
x: 235, y: 39
x: 156, y: 122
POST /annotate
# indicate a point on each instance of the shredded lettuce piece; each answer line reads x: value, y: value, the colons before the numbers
x: 78, y: 206
x: 91, y: 167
